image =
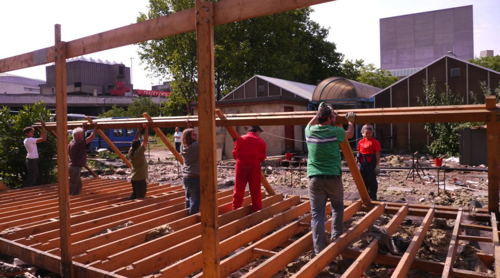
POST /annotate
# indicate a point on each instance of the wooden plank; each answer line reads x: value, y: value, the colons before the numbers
x: 254, y: 225
x: 493, y: 139
x: 193, y: 263
x: 315, y: 265
x: 205, y: 53
x: 292, y: 251
x: 235, y: 135
x: 173, y: 24
x: 368, y: 255
x: 356, y: 174
x: 433, y: 116
x: 62, y: 153
x: 164, y: 139
x: 496, y: 243
x: 428, y: 266
x: 452, y: 250
x: 474, y: 238
x: 409, y: 256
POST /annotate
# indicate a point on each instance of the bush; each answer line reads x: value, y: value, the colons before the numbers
x: 12, y: 150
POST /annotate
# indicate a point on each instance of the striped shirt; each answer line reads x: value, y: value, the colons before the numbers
x: 323, y: 149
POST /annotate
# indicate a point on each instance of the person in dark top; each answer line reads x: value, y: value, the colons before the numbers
x: 369, y: 160
x: 139, y: 164
x: 191, y: 170
x: 77, y: 150
x: 249, y: 152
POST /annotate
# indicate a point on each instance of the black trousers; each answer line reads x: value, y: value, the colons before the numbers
x: 139, y: 189
x: 370, y: 178
x: 32, y: 172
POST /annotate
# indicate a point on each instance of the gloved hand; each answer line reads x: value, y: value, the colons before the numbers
x: 350, y: 116
x: 377, y: 170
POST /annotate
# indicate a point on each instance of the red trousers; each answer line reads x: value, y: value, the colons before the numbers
x: 247, y: 173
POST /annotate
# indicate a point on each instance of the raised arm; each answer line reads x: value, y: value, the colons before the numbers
x: 92, y: 135
x: 146, y: 136
x: 43, y: 135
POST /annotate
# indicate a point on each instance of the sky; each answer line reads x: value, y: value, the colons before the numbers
x: 28, y: 25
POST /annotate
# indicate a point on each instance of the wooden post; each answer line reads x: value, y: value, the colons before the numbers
x: 234, y: 134
x: 356, y: 175
x: 206, y: 125
x: 111, y: 144
x: 496, y: 243
x: 493, y: 154
x: 62, y: 155
x: 164, y: 139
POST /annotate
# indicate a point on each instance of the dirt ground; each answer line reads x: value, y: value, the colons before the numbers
x: 397, y: 183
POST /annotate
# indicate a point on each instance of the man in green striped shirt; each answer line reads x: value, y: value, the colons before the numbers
x: 324, y: 171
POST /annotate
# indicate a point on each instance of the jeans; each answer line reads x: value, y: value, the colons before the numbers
x: 322, y: 188
x: 192, y: 188
x: 178, y: 146
x: 31, y: 173
x: 75, y: 182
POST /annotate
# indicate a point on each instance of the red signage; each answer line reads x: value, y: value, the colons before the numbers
x: 152, y: 93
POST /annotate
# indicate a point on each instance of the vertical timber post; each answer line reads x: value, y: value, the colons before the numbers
x: 62, y: 154
x: 206, y: 114
x: 493, y: 154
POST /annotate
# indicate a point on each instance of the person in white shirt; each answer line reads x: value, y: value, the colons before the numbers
x: 177, y: 139
x: 32, y: 155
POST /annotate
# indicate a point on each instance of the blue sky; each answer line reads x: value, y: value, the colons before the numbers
x: 354, y: 26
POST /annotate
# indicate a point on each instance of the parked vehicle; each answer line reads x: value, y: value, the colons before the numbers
x: 121, y: 137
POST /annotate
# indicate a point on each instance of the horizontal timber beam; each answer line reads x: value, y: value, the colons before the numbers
x: 177, y: 23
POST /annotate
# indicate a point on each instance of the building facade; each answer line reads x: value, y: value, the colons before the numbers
x: 409, y: 42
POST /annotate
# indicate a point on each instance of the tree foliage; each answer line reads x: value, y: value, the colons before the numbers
x: 135, y: 110
x: 12, y: 150
x: 491, y: 62
x: 288, y: 45
x: 368, y: 74
x: 445, y: 137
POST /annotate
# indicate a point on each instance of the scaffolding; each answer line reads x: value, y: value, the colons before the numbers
x: 61, y: 234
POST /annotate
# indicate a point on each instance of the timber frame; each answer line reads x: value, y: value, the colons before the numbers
x: 62, y: 234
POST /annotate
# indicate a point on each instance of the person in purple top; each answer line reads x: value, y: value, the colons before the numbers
x: 77, y: 150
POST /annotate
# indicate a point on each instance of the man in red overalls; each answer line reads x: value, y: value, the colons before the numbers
x: 249, y: 152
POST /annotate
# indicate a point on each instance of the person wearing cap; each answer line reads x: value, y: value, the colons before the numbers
x: 32, y: 154
x: 323, y: 137
x: 369, y: 160
x: 137, y: 157
x: 249, y: 152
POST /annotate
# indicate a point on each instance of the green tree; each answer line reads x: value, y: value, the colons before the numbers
x: 368, y: 74
x: 491, y: 62
x: 12, y: 150
x: 135, y: 109
x: 288, y: 45
x: 445, y: 137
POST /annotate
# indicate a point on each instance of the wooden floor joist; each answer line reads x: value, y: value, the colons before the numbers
x: 109, y: 233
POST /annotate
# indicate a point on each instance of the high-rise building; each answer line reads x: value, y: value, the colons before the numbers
x: 409, y: 42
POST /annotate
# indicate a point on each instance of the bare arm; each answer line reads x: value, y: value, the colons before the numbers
x: 146, y: 137
x: 314, y: 120
x: 349, y: 133
x: 43, y: 136
x: 137, y: 134
x: 92, y: 135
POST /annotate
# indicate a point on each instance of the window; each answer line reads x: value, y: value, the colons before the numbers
x: 455, y: 72
x: 118, y: 132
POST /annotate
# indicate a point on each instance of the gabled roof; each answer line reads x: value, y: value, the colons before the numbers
x: 300, y: 89
x: 434, y: 62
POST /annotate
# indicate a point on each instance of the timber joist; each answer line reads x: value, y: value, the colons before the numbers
x: 427, y: 114
x: 116, y: 237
